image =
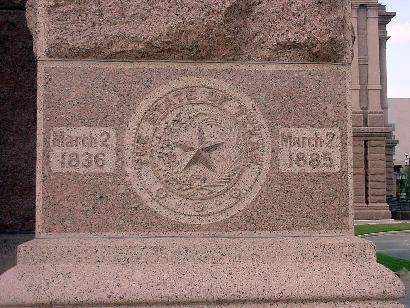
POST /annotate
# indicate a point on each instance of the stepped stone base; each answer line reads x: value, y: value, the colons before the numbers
x: 286, y: 271
x: 376, y: 211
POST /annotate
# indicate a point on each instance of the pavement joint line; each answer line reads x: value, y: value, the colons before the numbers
x: 381, y: 233
x: 358, y: 222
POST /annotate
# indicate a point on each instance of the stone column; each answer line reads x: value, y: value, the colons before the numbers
x: 361, y: 39
x: 384, y: 19
x: 375, y: 206
x: 359, y: 172
x: 188, y: 155
x: 390, y: 176
x: 377, y: 172
x: 383, y: 74
x: 372, y: 19
x: 359, y: 100
x: 375, y: 111
x: 357, y: 112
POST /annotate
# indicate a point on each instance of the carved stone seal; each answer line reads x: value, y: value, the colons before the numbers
x: 197, y: 151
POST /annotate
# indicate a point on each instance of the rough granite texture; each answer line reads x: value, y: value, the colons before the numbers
x: 17, y: 124
x: 107, y: 95
x: 236, y: 272
x: 229, y: 30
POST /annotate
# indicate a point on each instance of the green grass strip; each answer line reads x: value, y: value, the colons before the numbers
x: 366, y: 229
x: 392, y: 263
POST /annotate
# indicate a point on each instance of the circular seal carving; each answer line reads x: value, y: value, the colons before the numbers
x: 197, y: 151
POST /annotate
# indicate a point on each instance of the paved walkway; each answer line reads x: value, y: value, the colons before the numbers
x: 393, y: 244
x: 406, y: 301
x: 396, y: 245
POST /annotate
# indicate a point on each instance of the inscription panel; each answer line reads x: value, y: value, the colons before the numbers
x: 82, y: 149
x: 309, y: 150
x: 197, y: 151
x: 150, y: 115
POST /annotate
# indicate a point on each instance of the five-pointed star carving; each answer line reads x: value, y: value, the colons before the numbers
x: 198, y: 151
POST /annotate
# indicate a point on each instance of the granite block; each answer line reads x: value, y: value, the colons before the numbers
x: 378, y: 164
x: 373, y: 211
x: 377, y: 185
x: 110, y: 96
x: 228, y: 30
x: 373, y: 157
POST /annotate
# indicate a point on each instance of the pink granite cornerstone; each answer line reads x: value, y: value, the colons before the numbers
x: 195, y: 153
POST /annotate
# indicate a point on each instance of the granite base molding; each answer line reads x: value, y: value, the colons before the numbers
x: 375, y: 211
x: 315, y: 304
x: 320, y: 271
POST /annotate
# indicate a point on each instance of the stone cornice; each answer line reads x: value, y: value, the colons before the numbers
x: 368, y: 3
x: 372, y: 132
x: 385, y: 17
x: 392, y: 142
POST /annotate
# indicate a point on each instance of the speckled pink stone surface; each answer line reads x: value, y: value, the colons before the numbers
x: 282, y: 271
x: 268, y: 30
x: 108, y: 94
x: 195, y: 184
